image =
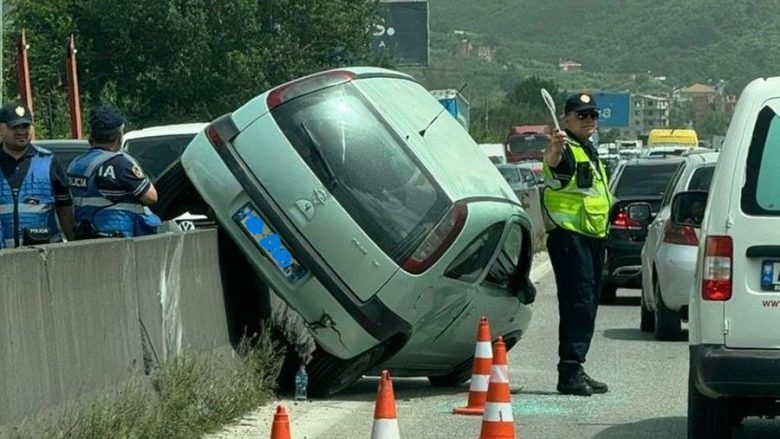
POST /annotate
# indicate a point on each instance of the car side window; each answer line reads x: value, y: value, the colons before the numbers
x: 672, y: 184
x: 471, y: 262
x: 505, y: 265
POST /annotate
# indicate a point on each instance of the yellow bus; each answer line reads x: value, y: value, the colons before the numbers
x: 659, y: 137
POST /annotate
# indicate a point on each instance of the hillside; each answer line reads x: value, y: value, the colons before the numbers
x: 690, y: 41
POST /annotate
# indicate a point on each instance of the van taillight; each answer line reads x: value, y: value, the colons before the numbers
x: 716, y: 274
x: 438, y: 241
x: 620, y: 220
x: 300, y: 87
x: 214, y: 138
x: 679, y: 234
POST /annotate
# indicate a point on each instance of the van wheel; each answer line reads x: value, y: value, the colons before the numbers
x: 707, y: 418
x: 607, y: 294
x: 646, y: 319
x: 667, y: 321
x: 329, y: 375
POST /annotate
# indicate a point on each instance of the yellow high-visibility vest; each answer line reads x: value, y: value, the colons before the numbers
x: 581, y: 210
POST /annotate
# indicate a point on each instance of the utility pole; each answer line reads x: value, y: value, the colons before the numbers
x: 2, y: 35
x: 74, y: 101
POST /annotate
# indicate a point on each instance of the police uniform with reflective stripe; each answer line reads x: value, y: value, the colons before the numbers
x: 577, y: 208
x: 31, y: 205
x: 114, y: 211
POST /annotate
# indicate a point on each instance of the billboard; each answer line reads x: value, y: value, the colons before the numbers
x: 615, y: 109
x: 402, y: 32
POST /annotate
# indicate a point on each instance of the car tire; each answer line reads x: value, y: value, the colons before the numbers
x: 707, y: 417
x: 667, y: 321
x: 329, y: 375
x: 462, y: 372
x: 607, y: 293
x: 646, y: 319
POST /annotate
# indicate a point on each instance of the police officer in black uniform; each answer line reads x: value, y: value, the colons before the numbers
x: 110, y: 190
x: 33, y: 186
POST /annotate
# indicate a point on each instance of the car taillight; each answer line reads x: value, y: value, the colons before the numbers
x: 679, y: 234
x: 620, y: 220
x: 300, y: 87
x: 716, y: 274
x: 438, y: 241
x: 214, y: 138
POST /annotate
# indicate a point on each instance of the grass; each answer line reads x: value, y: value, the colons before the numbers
x: 183, y: 398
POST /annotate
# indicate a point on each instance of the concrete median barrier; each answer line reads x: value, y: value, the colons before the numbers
x: 80, y: 318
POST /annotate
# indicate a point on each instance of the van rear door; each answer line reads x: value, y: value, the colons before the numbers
x: 753, y: 312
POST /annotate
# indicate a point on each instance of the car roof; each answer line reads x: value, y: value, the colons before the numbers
x: 166, y: 130
x: 652, y: 160
x: 703, y: 157
x: 61, y: 143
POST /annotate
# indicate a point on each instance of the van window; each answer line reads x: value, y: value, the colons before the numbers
x: 760, y: 195
x: 365, y: 165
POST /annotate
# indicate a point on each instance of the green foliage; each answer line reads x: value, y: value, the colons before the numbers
x: 171, y: 61
x: 187, y: 397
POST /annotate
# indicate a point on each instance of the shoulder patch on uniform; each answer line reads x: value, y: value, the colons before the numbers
x: 137, y: 171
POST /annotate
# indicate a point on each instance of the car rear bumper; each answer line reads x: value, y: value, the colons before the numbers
x: 623, y: 264
x: 676, y: 268
x: 723, y: 372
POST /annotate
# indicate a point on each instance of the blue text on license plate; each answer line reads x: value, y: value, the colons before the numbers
x: 269, y: 242
x: 770, y: 275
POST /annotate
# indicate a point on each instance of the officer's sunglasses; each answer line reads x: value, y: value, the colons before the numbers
x: 588, y: 114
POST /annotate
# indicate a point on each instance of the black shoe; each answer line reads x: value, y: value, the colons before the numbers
x: 574, y: 385
x: 597, y: 386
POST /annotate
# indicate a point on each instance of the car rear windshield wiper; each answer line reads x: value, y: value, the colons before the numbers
x: 315, y: 147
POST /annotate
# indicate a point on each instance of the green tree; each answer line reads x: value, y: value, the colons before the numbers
x: 168, y: 61
x: 681, y: 114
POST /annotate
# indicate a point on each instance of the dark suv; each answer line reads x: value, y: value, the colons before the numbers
x: 641, y: 180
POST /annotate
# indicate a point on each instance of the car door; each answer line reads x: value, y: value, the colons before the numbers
x: 752, y: 313
x: 655, y: 234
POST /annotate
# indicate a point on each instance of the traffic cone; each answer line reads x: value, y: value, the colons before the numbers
x: 281, y: 426
x: 385, y: 420
x: 497, y: 422
x: 480, y: 372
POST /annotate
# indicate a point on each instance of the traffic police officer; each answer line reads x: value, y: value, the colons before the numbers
x: 33, y: 186
x: 577, y: 204
x: 110, y: 191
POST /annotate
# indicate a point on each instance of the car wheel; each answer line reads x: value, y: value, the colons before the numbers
x: 667, y: 321
x: 707, y: 417
x: 462, y: 372
x: 329, y: 375
x: 607, y: 293
x: 647, y: 319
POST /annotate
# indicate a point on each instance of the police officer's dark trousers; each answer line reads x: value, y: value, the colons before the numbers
x: 577, y: 261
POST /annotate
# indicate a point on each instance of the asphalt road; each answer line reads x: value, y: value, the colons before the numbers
x: 647, y: 398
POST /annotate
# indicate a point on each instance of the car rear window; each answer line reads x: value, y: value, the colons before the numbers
x: 701, y: 179
x: 645, y: 180
x: 366, y: 166
x: 510, y: 175
x: 529, y: 143
x: 155, y: 154
x: 759, y: 194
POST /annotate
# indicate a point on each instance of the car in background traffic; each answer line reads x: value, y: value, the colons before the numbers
x: 664, y: 150
x: 65, y: 150
x: 385, y: 228
x: 669, y: 253
x: 641, y: 180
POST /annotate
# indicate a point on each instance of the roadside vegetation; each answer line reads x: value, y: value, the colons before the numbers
x: 183, y: 398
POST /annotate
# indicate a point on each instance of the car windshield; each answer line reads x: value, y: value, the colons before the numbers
x: 648, y: 180
x: 155, y: 154
x: 351, y: 149
x: 528, y: 143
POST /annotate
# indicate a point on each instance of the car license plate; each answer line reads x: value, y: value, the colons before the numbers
x: 770, y: 276
x: 269, y: 242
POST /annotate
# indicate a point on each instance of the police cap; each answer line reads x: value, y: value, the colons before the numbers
x: 105, y: 117
x: 15, y: 113
x: 579, y: 102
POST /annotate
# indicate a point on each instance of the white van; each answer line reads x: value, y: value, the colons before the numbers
x: 735, y: 302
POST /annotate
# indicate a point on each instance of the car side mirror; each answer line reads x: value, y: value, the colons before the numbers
x: 688, y: 208
x: 639, y: 212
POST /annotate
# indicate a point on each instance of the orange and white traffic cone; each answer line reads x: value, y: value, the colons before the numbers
x: 480, y: 372
x: 497, y: 422
x: 281, y: 427
x: 385, y: 418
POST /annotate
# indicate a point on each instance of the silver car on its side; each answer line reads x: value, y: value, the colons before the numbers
x: 669, y: 253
